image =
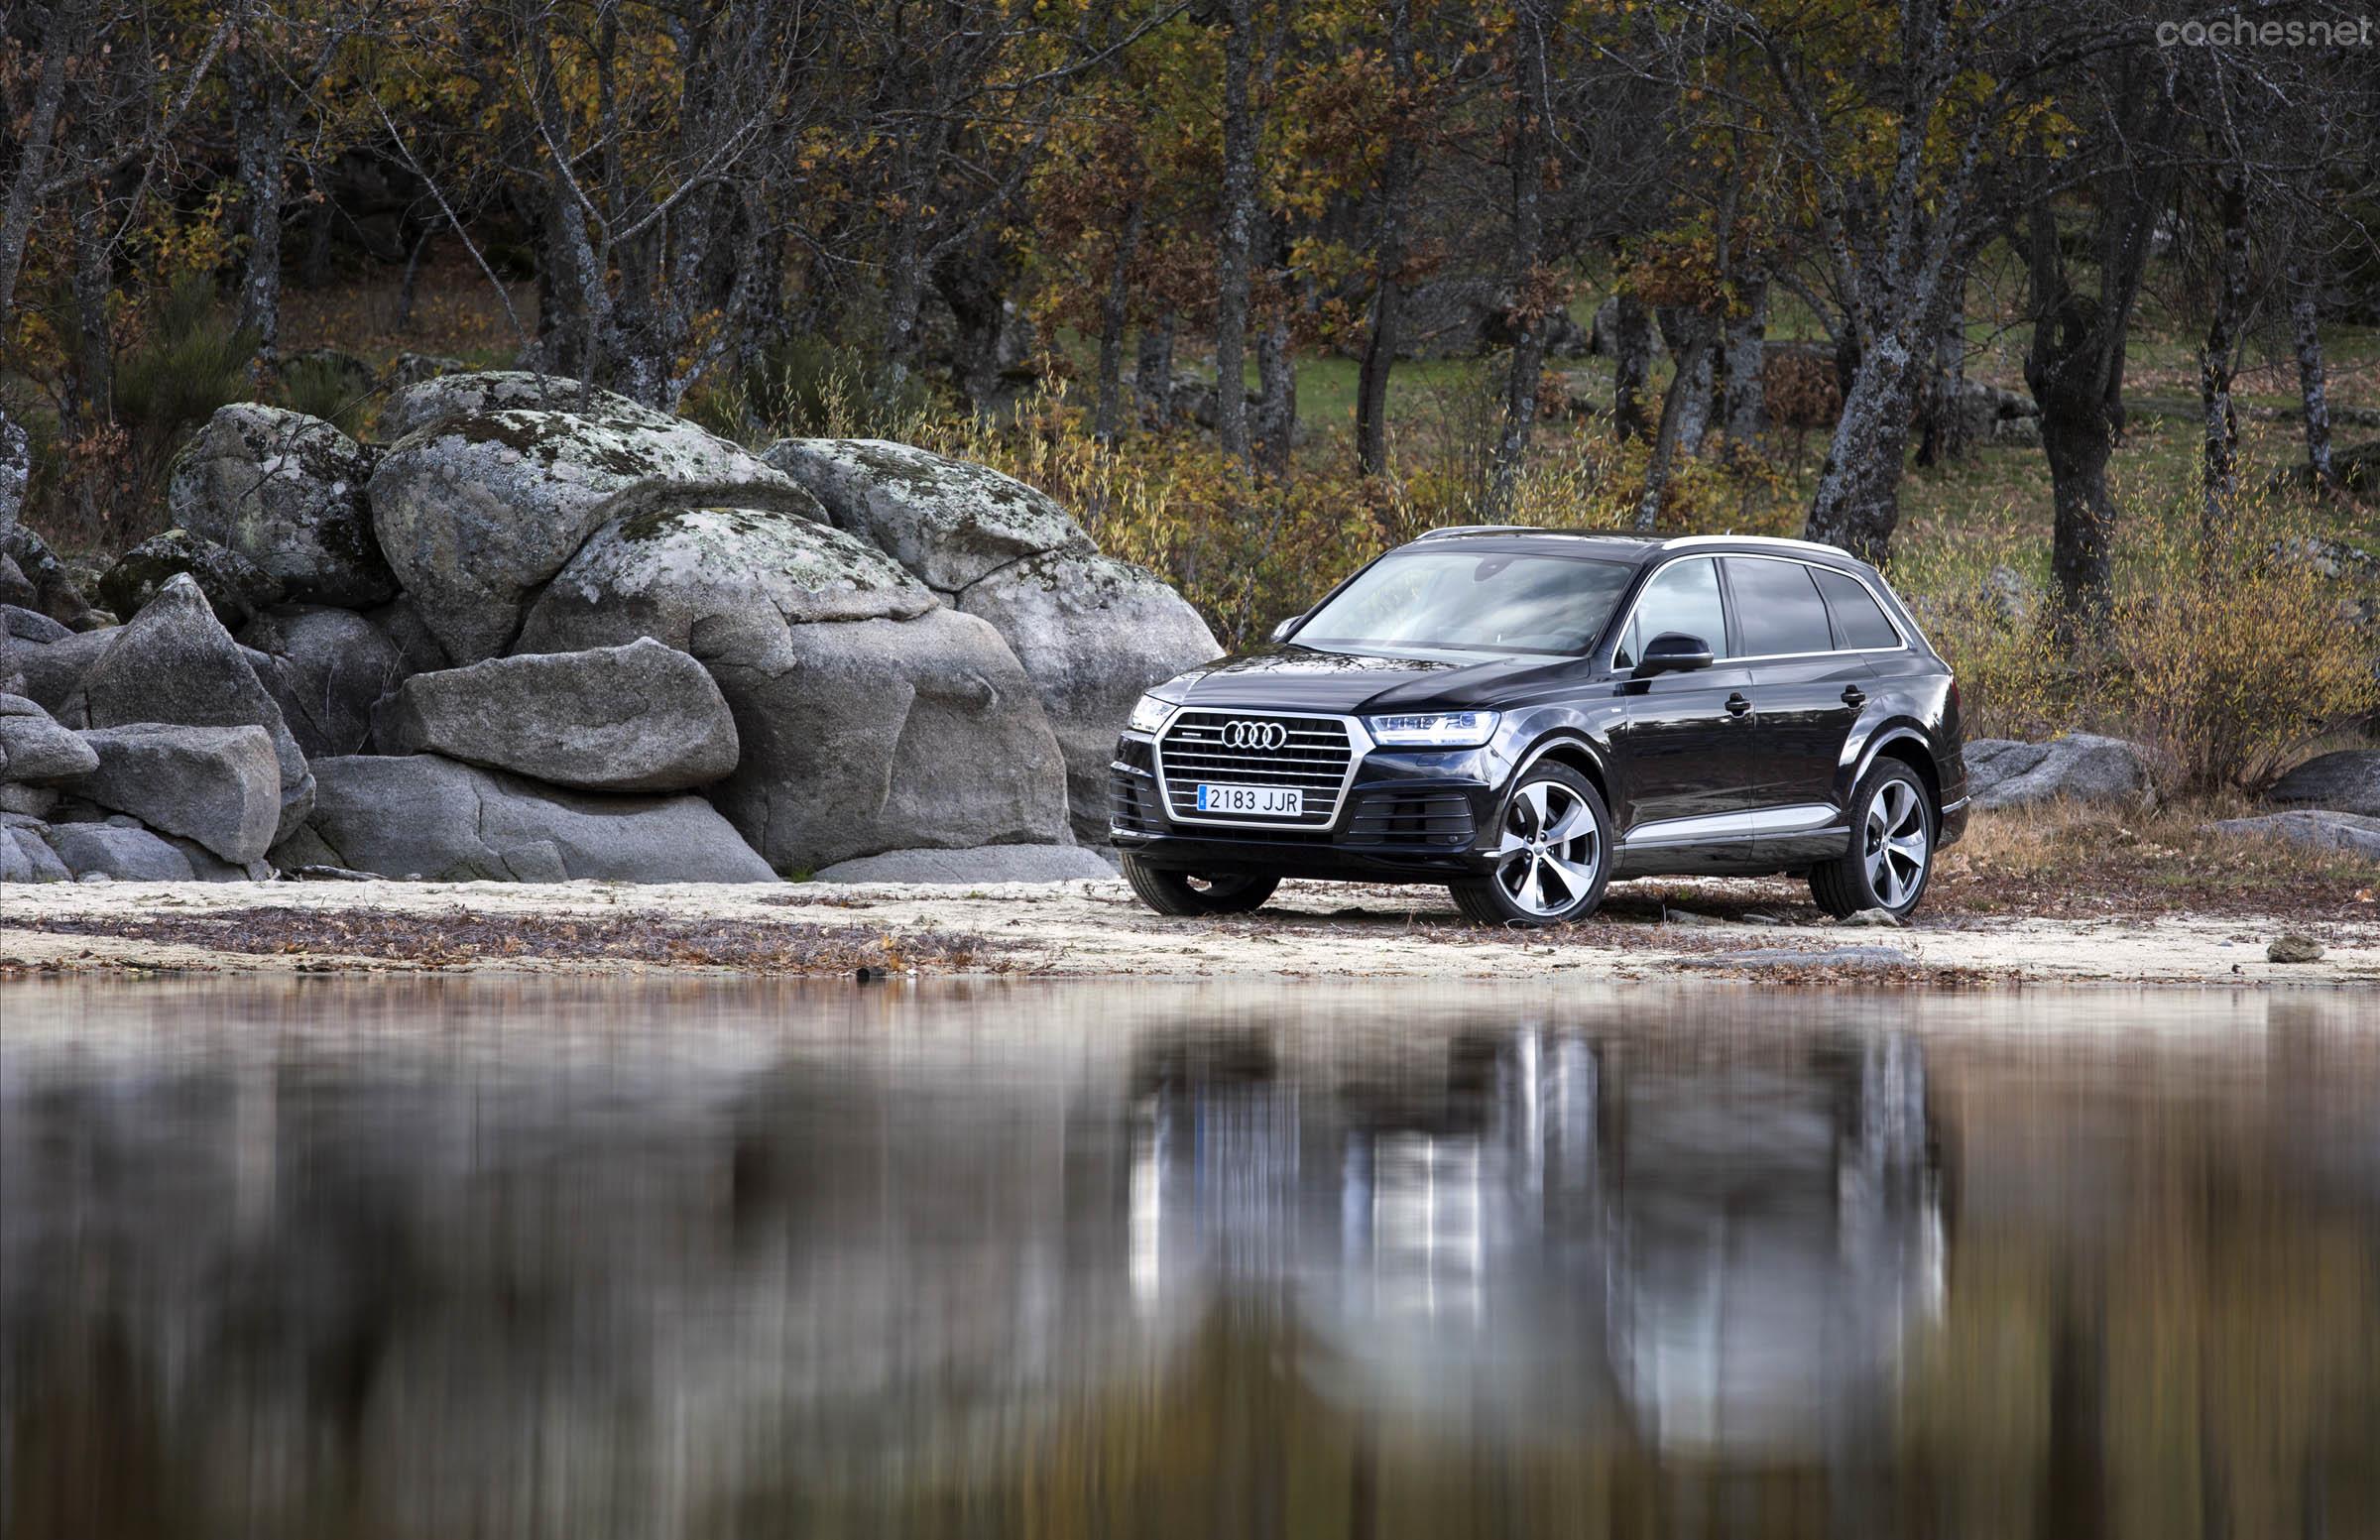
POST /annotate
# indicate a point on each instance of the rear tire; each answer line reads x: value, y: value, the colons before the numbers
x: 1891, y: 859
x: 1553, y: 856
x: 1185, y: 894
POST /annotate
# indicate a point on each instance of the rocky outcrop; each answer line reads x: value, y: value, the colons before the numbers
x: 235, y: 587
x: 2346, y: 781
x: 121, y: 853
x: 477, y: 513
x: 435, y: 397
x: 175, y: 663
x: 285, y: 491
x: 34, y: 750
x: 949, y: 521
x: 2350, y: 833
x: 52, y: 671
x: 2079, y: 767
x: 871, y: 718
x: 425, y: 816
x: 637, y: 718
x: 979, y: 864
x: 1092, y: 633
x: 219, y: 786
x: 326, y: 669
x: 25, y: 853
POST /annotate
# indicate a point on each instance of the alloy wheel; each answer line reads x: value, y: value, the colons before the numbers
x: 1897, y: 843
x: 1551, y: 849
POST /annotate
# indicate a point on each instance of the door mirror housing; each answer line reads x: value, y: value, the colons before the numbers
x: 1673, y: 651
x: 1286, y: 627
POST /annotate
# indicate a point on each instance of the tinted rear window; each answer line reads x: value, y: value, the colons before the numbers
x: 1777, y: 608
x: 1859, y: 620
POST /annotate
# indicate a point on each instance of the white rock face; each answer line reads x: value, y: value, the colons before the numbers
x: 949, y: 521
x: 286, y: 491
x: 420, y: 815
x: 871, y: 718
x: 476, y: 392
x: 476, y: 513
x: 1092, y: 634
x: 638, y: 718
x: 219, y: 786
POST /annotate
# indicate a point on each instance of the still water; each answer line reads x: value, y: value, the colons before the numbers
x: 457, y: 1258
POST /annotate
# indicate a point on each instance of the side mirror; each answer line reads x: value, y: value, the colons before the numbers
x: 1286, y: 628
x: 1673, y: 651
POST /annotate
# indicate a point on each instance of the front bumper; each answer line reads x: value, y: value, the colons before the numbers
x: 1406, y: 816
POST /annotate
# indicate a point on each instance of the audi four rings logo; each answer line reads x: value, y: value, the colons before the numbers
x: 1254, y: 734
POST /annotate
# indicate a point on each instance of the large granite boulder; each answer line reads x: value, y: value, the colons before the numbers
x: 474, y: 394
x: 219, y: 786
x: 871, y: 719
x: 637, y: 718
x: 1092, y: 633
x: 52, y: 671
x: 119, y: 852
x: 173, y: 662
x: 235, y: 587
x: 2350, y: 833
x: 35, y: 748
x: 26, y: 857
x: 2347, y: 781
x: 21, y: 624
x: 2079, y: 767
x: 427, y: 816
x: 285, y: 490
x: 477, y: 513
x: 949, y: 521
x: 326, y: 669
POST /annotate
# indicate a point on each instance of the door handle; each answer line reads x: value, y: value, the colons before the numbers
x: 1854, y: 696
x: 1738, y: 705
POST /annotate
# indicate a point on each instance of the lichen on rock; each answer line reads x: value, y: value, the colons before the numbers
x: 949, y: 521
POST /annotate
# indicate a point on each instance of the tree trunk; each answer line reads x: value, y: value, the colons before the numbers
x: 1397, y: 170
x: 1687, y: 402
x: 320, y: 216
x: 2077, y: 436
x: 1686, y: 334
x: 2219, y: 360
x: 91, y: 358
x: 1942, y: 405
x: 1859, y: 501
x: 33, y: 160
x: 408, y: 287
x: 1528, y: 322
x: 261, y: 124
x: 1112, y: 317
x: 1632, y: 365
x: 1152, y: 373
x: 1744, y: 402
x: 1276, y: 379
x: 1235, y: 240
x: 2306, y: 339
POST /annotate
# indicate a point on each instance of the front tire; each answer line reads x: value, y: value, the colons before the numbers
x: 1892, y: 847
x: 1553, y: 856
x: 1185, y: 894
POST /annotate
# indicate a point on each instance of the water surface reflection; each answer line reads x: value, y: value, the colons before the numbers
x: 481, y: 1257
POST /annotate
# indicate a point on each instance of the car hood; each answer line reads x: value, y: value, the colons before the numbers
x: 1297, y: 678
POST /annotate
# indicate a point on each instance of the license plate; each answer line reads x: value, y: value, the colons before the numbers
x: 1254, y: 801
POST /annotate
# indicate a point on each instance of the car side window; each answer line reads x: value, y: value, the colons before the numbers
x: 1859, y: 622
x: 1778, y: 608
x: 1682, y: 597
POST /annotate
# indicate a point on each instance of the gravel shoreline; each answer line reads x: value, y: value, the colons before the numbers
x: 1095, y: 929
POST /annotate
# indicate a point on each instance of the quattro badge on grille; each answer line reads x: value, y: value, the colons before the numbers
x: 1242, y: 733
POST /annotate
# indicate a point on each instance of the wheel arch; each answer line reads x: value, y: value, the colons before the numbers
x: 1565, y: 748
x: 1909, y: 745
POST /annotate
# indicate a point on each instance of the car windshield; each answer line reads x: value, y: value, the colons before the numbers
x: 1466, y: 601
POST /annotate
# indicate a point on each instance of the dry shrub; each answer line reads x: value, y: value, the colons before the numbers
x: 2238, y: 655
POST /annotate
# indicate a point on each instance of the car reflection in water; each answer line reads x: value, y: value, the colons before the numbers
x: 1555, y: 1234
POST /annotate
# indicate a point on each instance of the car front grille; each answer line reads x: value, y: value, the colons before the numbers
x: 1313, y: 756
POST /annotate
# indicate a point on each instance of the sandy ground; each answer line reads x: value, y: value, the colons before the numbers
x: 1091, y: 928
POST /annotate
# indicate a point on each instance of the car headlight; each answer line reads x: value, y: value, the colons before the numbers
x: 1434, y: 730
x: 1149, y: 714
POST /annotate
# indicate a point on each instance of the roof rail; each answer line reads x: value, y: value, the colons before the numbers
x: 1480, y: 529
x: 1776, y: 540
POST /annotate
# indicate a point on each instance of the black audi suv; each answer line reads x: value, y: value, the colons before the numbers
x: 1524, y: 715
